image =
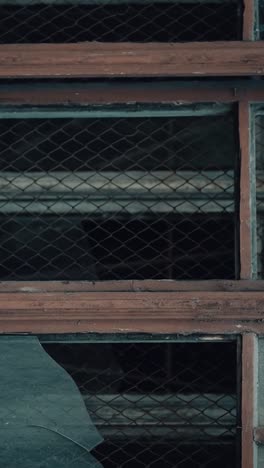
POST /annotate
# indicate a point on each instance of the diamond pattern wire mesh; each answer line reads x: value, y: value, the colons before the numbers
x: 117, y: 198
x: 156, y: 404
x: 31, y: 21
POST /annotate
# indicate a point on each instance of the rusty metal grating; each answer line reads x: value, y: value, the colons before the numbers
x: 158, y: 404
x: 36, y: 21
x: 147, y: 194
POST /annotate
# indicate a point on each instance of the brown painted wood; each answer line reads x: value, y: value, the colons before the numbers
x: 126, y: 59
x: 248, y: 399
x: 248, y: 20
x: 259, y: 435
x: 131, y: 286
x: 153, y: 312
x: 92, y: 94
x: 245, y: 192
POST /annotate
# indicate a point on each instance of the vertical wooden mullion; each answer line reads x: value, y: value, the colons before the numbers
x: 248, y: 397
x: 247, y: 215
x: 248, y: 20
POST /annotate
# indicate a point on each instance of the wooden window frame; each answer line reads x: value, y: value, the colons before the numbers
x: 59, y: 307
x: 151, y: 306
x: 95, y: 59
x: 177, y: 307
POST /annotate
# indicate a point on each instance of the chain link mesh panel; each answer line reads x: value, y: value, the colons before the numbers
x: 158, y: 404
x: 129, y: 197
x: 31, y: 21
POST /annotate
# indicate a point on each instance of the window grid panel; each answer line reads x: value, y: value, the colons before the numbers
x: 118, y: 198
x: 158, y: 404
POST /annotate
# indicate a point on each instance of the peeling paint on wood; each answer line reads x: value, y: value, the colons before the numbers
x: 127, y: 60
x: 148, y: 312
x: 249, y: 372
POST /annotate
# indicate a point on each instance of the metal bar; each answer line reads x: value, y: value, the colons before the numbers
x: 246, y: 193
x: 135, y: 191
x: 115, y: 182
x: 126, y: 205
x: 164, y: 412
x: 130, y: 111
x: 232, y: 58
x: 249, y: 370
x: 133, y: 338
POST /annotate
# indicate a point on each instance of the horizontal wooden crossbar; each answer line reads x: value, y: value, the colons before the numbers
x: 228, y: 307
x: 91, y: 93
x: 132, y: 60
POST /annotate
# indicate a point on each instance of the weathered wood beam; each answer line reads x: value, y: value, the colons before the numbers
x: 249, y: 19
x: 127, y: 60
x: 248, y: 399
x: 247, y: 194
x: 91, y: 93
x: 115, y: 93
x: 132, y: 312
x: 132, y: 286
